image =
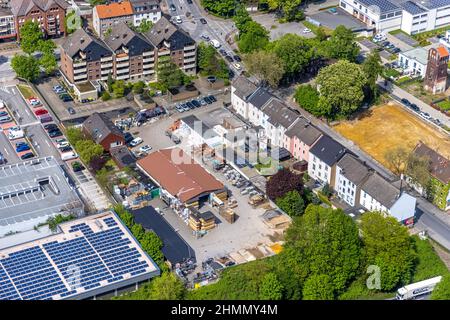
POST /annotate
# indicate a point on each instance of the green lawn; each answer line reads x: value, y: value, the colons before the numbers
x: 26, y: 91
x: 314, y: 28
x: 391, y: 73
x: 429, y: 264
x: 444, y: 105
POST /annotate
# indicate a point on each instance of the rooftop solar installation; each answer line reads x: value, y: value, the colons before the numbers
x: 87, y: 254
x: 412, y: 8
x: 433, y: 4
x: 383, y: 5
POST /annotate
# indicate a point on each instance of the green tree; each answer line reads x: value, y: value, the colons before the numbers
x: 224, y: 8
x: 72, y: 22
x: 48, y: 63
x: 372, y: 67
x: 138, y: 87
x: 167, y: 287
x: 169, y: 75
x: 253, y: 38
x: 241, y: 18
x: 152, y: 244
x: 74, y: 135
x: 342, y: 44
x: 106, y: 96
x: 118, y: 89
x: 145, y: 26
x: 321, y: 34
x: 341, y: 89
x: 307, y: 97
x: 46, y: 47
x: 25, y: 66
x: 387, y: 245
x: 30, y: 36
x: 318, y: 287
x: 138, y: 231
x: 442, y: 290
x: 295, y: 51
x: 124, y: 215
x: 88, y: 150
x: 290, y: 8
x: 266, y: 66
x: 418, y: 170
x: 271, y: 288
x: 323, y: 242
x: 292, y: 203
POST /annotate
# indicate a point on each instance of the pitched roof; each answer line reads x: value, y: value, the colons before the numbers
x: 381, y: 190
x: 439, y: 165
x: 114, y: 9
x: 23, y: 7
x: 145, y: 6
x: 279, y: 114
x: 259, y: 98
x: 442, y: 51
x: 328, y: 150
x: 353, y: 169
x: 122, y: 35
x: 99, y: 127
x: 179, y: 174
x: 164, y: 30
x: 80, y: 40
x: 304, y: 131
x: 123, y: 156
x: 244, y: 87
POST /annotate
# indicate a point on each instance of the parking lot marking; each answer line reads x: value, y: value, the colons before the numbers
x: 46, y: 141
x: 6, y: 151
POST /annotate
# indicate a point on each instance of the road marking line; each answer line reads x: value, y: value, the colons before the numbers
x: 6, y: 151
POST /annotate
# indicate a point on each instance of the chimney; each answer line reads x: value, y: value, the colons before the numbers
x: 166, y: 30
x: 81, y: 40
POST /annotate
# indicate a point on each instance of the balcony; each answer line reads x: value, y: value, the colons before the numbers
x: 122, y: 57
x: 148, y: 66
x: 148, y: 72
x: 122, y: 65
x: 106, y: 65
x: 122, y: 71
x: 148, y: 53
x: 81, y: 70
x: 80, y: 77
x: 106, y: 71
x: 148, y: 59
x: 189, y: 48
x: 123, y: 77
x: 79, y: 63
x: 106, y: 59
x: 189, y: 53
x: 163, y: 53
x: 189, y: 60
x: 189, y: 66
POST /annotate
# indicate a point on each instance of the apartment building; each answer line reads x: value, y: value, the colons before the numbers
x: 104, y: 16
x: 175, y: 44
x: 411, y: 16
x: 7, y: 24
x: 414, y: 61
x: 148, y: 10
x: 49, y: 14
x: 256, y: 103
x: 350, y: 175
x: 276, y: 120
x: 323, y: 157
x: 133, y: 55
x: 85, y: 57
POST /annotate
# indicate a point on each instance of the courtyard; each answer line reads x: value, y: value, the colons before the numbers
x: 384, y: 127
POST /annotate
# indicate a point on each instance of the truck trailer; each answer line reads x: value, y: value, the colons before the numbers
x: 411, y: 291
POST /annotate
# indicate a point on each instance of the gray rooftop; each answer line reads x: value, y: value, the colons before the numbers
x: 81, y: 41
x: 122, y: 36
x: 279, y: 114
x: 353, y: 169
x: 328, y: 150
x: 100, y: 126
x: 412, y: 8
x: 165, y: 31
x: 381, y: 190
x: 195, y: 124
x: 31, y: 192
x: 419, y: 54
x: 244, y: 87
x: 383, y: 5
x: 304, y: 131
x: 259, y: 98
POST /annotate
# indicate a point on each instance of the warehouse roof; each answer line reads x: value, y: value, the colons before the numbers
x: 179, y: 174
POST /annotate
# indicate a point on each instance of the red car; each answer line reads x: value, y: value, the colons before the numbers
x: 40, y: 112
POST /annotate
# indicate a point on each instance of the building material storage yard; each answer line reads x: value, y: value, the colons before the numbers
x: 384, y: 127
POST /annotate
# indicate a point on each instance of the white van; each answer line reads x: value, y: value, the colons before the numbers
x: 215, y: 43
x: 68, y: 156
x: 15, y: 134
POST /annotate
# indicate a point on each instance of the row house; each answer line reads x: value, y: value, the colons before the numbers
x: 174, y: 44
x: 379, y: 195
x: 350, y: 175
x: 49, y: 14
x: 133, y: 54
x: 276, y: 120
x: 323, y: 157
x: 241, y: 90
x: 300, y: 138
x: 85, y: 58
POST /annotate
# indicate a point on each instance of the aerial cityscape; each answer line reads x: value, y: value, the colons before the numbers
x: 225, y: 150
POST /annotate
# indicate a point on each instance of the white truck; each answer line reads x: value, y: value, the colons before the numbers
x: 413, y: 290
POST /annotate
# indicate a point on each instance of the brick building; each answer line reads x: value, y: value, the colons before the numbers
x: 436, y: 74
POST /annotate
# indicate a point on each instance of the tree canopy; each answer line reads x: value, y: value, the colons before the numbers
x: 289, y: 8
x: 318, y: 287
x: 292, y: 203
x: 387, y: 245
x: 253, y: 37
x: 372, y: 67
x: 307, y: 97
x: 342, y: 44
x: 25, y: 66
x: 30, y: 36
x: 282, y: 182
x: 209, y: 63
x: 442, y: 289
x: 271, y: 288
x: 341, y: 89
x: 224, y: 8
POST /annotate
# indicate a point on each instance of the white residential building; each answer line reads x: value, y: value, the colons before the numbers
x: 241, y: 90
x: 148, y: 10
x: 414, y: 61
x: 411, y: 16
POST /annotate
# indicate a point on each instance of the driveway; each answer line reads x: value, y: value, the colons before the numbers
x: 277, y: 30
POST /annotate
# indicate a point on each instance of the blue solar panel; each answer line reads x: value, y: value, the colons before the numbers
x: 85, y: 261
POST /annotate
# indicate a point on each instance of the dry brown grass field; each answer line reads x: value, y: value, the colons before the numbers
x: 384, y: 127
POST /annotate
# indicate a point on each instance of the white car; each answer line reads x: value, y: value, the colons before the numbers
x: 136, y: 141
x: 145, y: 148
x: 215, y: 43
x: 306, y: 30
x: 178, y: 20
x: 237, y: 66
x: 62, y: 144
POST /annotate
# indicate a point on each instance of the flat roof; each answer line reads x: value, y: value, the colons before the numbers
x: 419, y: 54
x: 88, y: 256
x: 32, y: 191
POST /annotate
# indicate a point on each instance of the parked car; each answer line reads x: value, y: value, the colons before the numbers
x: 237, y: 58
x: 189, y: 1
x: 207, y: 100
x: 23, y: 147
x: 190, y: 105
x: 179, y: 108
x: 186, y: 107
x: 205, y: 37
x: 203, y: 21
x: 57, y: 87
x: 172, y: 7
x: 3, y: 113
x: 77, y: 166
x: 223, y: 52
x: 145, y: 148
x: 196, y: 103
x: 71, y: 110
x: 414, y: 107
x: 40, y: 112
x: 136, y: 141
x: 66, y: 149
x: 2, y: 159
x: 212, y: 98
x: 27, y: 155
x: 425, y: 115
x: 306, y: 30
x: 396, y: 50
x: 50, y: 126
x: 62, y: 144
x: 211, y: 79
x: 237, y: 66
x: 203, y: 102
x: 128, y: 137
x: 216, y: 44
x: 406, y: 102
x: 54, y: 134
x: 178, y: 20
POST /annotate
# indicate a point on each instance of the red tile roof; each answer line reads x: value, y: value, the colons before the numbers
x: 179, y: 174
x: 115, y: 9
x: 442, y: 52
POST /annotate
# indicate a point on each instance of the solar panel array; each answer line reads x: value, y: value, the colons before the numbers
x: 56, y: 269
x: 383, y: 5
x: 412, y: 8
